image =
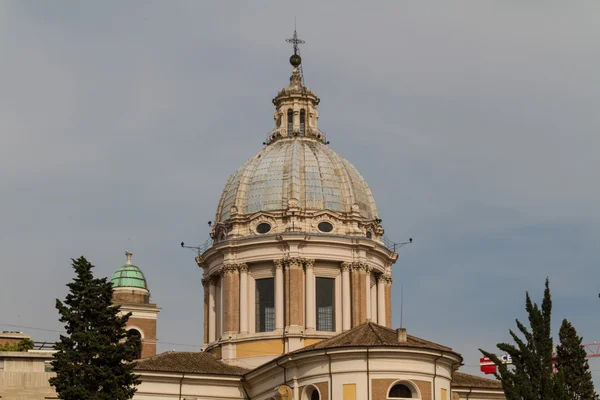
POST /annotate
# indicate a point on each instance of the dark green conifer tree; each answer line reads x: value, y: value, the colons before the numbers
x: 530, y: 377
x: 572, y: 363
x: 94, y: 359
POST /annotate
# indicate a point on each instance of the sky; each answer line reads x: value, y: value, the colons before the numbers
x: 475, y: 124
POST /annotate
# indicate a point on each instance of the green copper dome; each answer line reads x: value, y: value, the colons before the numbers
x: 129, y: 276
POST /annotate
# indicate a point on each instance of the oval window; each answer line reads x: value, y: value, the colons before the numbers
x: 325, y: 227
x: 263, y: 227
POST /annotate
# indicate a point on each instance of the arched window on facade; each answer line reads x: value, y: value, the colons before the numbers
x: 401, y: 391
x: 137, y: 337
x: 290, y: 121
x: 302, y: 121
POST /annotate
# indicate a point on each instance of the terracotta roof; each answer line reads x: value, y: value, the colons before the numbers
x: 188, y: 362
x: 471, y: 381
x: 371, y: 334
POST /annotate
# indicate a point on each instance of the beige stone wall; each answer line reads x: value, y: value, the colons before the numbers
x: 24, y: 378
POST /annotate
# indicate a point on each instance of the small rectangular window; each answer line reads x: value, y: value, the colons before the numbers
x: 265, y: 305
x: 444, y: 394
x: 325, y: 304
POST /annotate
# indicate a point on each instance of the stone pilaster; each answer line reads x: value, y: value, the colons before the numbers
x: 310, y: 294
x: 294, y: 296
x: 212, y: 309
x: 243, y: 303
x: 346, y: 296
x: 279, y: 295
x: 381, y: 300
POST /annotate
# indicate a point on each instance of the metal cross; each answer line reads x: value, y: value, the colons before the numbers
x: 295, y: 41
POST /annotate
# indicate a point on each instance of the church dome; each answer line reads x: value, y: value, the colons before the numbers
x: 129, y: 276
x: 296, y: 169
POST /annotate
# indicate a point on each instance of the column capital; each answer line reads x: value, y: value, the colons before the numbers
x: 309, y: 263
x: 346, y: 266
x: 278, y: 263
x: 293, y: 262
x: 361, y: 266
x: 206, y: 281
x: 385, y: 278
x: 229, y: 269
x: 243, y: 267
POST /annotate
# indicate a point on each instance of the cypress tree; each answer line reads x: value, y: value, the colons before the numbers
x: 94, y: 359
x: 530, y: 377
x: 573, y: 365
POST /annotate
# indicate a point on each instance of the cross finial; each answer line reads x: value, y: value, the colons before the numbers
x: 295, y: 41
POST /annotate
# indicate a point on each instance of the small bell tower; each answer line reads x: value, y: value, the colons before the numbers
x: 130, y: 292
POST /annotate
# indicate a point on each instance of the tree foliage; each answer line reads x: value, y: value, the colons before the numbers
x: 531, y: 375
x: 94, y: 359
x: 572, y: 363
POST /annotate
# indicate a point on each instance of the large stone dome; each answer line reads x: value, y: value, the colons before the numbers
x: 301, y: 169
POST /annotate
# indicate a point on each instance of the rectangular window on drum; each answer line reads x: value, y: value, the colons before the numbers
x: 290, y: 121
x: 302, y: 121
x: 325, y: 304
x: 265, y: 305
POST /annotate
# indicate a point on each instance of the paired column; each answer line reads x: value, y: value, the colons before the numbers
x: 368, y: 292
x: 346, y: 300
x: 278, y: 295
x: 310, y: 294
x: 380, y: 299
x: 243, y: 268
x: 212, y: 309
x: 207, y: 326
x: 373, y: 295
